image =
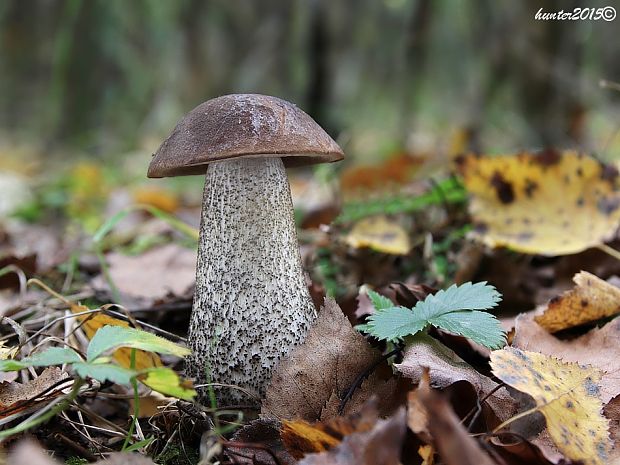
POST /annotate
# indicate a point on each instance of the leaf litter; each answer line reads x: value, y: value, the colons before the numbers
x: 342, y: 396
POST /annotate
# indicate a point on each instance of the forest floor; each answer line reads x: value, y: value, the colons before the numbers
x: 522, y: 369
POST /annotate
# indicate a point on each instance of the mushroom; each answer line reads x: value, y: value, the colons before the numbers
x: 251, y: 303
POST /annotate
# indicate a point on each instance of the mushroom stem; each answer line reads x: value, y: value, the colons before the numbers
x: 252, y: 303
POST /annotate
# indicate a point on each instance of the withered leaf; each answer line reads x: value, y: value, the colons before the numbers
x: 567, y: 394
x: 301, y: 438
x: 598, y: 347
x: 549, y: 203
x: 452, y: 441
x: 329, y: 360
x: 381, y: 445
x: 13, y: 394
x: 266, y: 433
x: 446, y: 368
x: 590, y: 300
x: 160, y: 273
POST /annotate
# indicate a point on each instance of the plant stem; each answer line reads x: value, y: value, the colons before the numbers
x: 136, y: 402
x: 609, y: 250
x: 62, y: 405
x: 516, y: 417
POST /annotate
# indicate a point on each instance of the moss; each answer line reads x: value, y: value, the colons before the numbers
x: 177, y: 455
x: 76, y: 461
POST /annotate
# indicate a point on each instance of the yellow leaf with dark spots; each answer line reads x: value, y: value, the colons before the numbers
x: 567, y: 394
x: 590, y: 300
x: 381, y: 234
x: 549, y: 203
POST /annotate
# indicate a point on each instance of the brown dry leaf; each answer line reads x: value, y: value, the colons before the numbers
x: 598, y: 347
x: 389, y: 394
x: 590, y: 300
x: 158, y: 274
x: 567, y: 394
x: 15, y: 397
x: 381, y: 445
x: 329, y: 360
x: 301, y: 438
x: 548, y: 203
x: 265, y: 432
x: 381, y: 234
x: 447, y: 368
x: 453, y: 443
x: 397, y: 170
x: 612, y: 413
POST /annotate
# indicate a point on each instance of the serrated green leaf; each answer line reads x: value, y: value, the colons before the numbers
x: 380, y: 302
x: 104, y: 372
x: 480, y: 327
x: 394, y: 323
x: 112, y: 337
x: 51, y: 356
x: 166, y: 381
x: 454, y: 309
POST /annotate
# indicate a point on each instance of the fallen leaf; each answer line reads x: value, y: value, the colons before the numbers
x: 298, y: 389
x: 381, y: 234
x: 590, y: 300
x: 446, y: 368
x: 156, y: 275
x: 263, y: 431
x: 396, y: 170
x: 15, y: 396
x: 548, y: 203
x: 390, y: 394
x: 612, y: 413
x: 157, y: 197
x: 453, y: 443
x: 7, y: 352
x: 599, y: 347
x: 381, y: 445
x: 301, y: 438
x: 427, y: 453
x: 93, y: 322
x: 567, y: 394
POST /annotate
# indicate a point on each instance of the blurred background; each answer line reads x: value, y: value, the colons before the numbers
x: 106, y: 77
x: 90, y: 88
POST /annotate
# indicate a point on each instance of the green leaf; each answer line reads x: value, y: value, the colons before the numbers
x: 51, y: 356
x: 112, y: 337
x: 104, y: 372
x: 167, y: 382
x: 453, y: 309
x: 380, y: 302
x: 139, y: 445
x: 481, y: 327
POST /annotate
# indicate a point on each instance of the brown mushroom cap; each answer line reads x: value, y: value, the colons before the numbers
x: 242, y: 125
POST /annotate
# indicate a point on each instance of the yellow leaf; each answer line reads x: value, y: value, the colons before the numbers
x: 157, y: 197
x: 548, y: 203
x: 590, y: 300
x: 7, y: 352
x: 567, y: 394
x: 301, y: 438
x: 427, y: 453
x: 92, y: 322
x: 381, y: 234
